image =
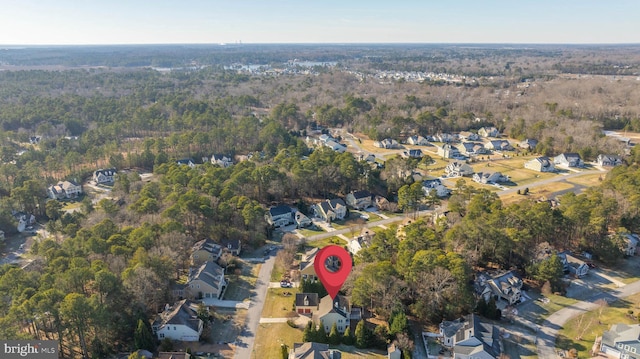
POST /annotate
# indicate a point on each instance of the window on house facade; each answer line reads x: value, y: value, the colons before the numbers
x: 161, y: 336
x: 174, y: 328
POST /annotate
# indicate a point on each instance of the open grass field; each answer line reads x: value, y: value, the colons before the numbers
x: 514, y: 168
x: 546, y: 191
x: 537, y: 312
x: 270, y: 337
x: 241, y: 286
x: 580, y: 332
x: 327, y: 241
x: 276, y: 305
x: 588, y: 180
x: 310, y: 231
x: 351, y: 352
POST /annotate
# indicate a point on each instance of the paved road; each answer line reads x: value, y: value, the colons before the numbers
x: 245, y: 341
x: 549, y: 329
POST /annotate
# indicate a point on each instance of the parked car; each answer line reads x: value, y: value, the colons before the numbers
x: 285, y: 284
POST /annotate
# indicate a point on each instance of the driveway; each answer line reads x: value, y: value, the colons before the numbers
x: 245, y: 341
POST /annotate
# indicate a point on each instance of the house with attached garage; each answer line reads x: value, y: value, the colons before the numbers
x: 506, y: 286
x: 205, y: 250
x: 573, y: 264
x: 528, y: 144
x: 311, y: 350
x: 489, y: 177
x: 621, y: 341
x: 472, y: 148
x: 417, y: 141
x: 608, y: 160
x: 187, y: 162
x: 301, y: 220
x: 104, y: 176
x: 471, y: 338
x: 468, y: 136
x: 540, y: 164
x: 307, y: 270
x: 331, y: 209
x: 64, y: 190
x: 489, y: 132
x: 387, y: 143
x: 207, y: 281
x: 307, y: 303
x: 434, y: 184
x: 179, y: 322
x: 279, y: 216
x: 359, y: 199
x: 630, y: 244
x: 498, y: 145
x: 412, y: 154
x: 332, y: 311
x: 568, y: 160
x: 448, y: 151
x: 233, y: 246
x: 458, y: 169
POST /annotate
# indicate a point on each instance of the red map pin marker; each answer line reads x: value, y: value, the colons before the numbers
x: 332, y: 265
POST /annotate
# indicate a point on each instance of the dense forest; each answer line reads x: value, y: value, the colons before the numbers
x: 112, y: 263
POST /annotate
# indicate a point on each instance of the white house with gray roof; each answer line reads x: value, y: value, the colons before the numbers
x: 207, y: 281
x: 179, y: 322
x: 621, y: 341
x: 469, y: 337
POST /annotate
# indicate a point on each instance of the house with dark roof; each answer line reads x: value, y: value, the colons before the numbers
x: 498, y: 145
x: 359, y: 199
x: 574, y: 265
x: 458, y: 169
x: 470, y: 337
x: 608, y: 160
x: 307, y: 303
x: 179, y: 322
x: 207, y: 281
x: 279, y: 216
x: 435, y: 184
x: 221, y: 160
x: 174, y: 355
x: 311, y: 350
x: 186, y: 162
x: 568, y: 160
x: 333, y: 311
x: 104, y: 176
x: 301, y: 220
x: 205, y: 250
x: 416, y: 153
x: 448, y: 151
x: 528, y: 144
x: 472, y: 148
x: 233, y: 246
x: 307, y: 270
x: 621, y: 341
x: 489, y: 177
x: 540, y: 164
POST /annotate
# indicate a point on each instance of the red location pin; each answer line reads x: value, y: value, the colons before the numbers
x: 332, y: 265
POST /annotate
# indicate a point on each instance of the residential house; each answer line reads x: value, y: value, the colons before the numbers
x: 179, y: 322
x: 187, y: 162
x: 468, y: 136
x: 64, y: 189
x: 506, y: 286
x: 387, y: 143
x: 34, y: 140
x: 573, y: 264
x: 528, y: 144
x: 621, y: 341
x: 489, y: 132
x: 412, y: 154
x: 498, y: 145
x: 630, y: 244
x: 206, y: 282
x: 222, y: 160
x: 393, y: 352
x: 359, y: 199
x: 471, y: 338
x: 332, y: 311
x: 307, y: 270
x: 382, y: 203
x: 448, y: 151
x: 233, y: 246
x: 540, y: 164
x: 311, y: 350
x: 458, y: 169
x: 356, y: 244
x: 279, y: 216
x: 568, y: 160
x: 301, y: 220
x: 205, y: 250
x: 174, y: 355
x: 472, y: 148
x: 608, y: 160
x: 307, y: 303
x: 445, y: 137
x: 370, y: 158
x: 418, y: 141
x: 489, y: 177
x: 104, y: 176
x: 338, y: 147
x: 331, y: 210
x: 435, y: 184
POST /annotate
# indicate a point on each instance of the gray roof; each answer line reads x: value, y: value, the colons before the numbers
x: 623, y: 333
x: 106, y: 172
x: 311, y: 297
x: 487, y: 334
x: 279, y: 210
x: 336, y: 305
x: 231, y: 244
x: 361, y: 194
x: 337, y: 202
x: 208, y: 245
x: 210, y: 273
x: 180, y: 314
x: 311, y: 350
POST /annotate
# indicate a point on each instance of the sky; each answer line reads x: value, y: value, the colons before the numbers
x: 86, y: 22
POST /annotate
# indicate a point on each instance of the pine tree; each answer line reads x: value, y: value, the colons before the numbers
x: 334, y: 336
x: 398, y: 323
x: 362, y: 335
x: 142, y: 337
x: 309, y: 332
x: 321, y: 334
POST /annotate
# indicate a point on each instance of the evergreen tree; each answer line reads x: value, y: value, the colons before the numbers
x: 142, y: 337
x: 362, y: 335
x: 309, y: 332
x: 334, y: 336
x: 284, y: 349
x: 347, y: 338
x: 321, y: 334
x: 398, y: 323
x: 381, y: 337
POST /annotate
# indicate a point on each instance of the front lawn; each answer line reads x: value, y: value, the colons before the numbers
x: 321, y: 243
x: 276, y: 305
x: 537, y: 311
x: 270, y: 337
x: 310, y: 231
x: 241, y: 286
